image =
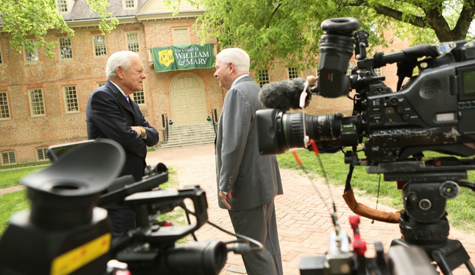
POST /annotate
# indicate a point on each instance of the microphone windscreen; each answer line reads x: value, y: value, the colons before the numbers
x: 283, y: 95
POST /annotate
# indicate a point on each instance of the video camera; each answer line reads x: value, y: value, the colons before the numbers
x: 433, y: 111
x: 65, y: 232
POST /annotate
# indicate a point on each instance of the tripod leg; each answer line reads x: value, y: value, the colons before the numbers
x: 470, y: 267
x: 441, y: 262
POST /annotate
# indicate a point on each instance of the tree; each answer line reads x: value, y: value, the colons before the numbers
x: 290, y: 29
x: 450, y: 20
x: 32, y: 19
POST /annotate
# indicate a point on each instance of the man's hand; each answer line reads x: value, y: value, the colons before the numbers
x: 140, y: 131
x: 223, y: 198
x: 137, y: 130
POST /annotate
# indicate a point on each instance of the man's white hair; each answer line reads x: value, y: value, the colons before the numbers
x: 118, y: 59
x: 237, y: 56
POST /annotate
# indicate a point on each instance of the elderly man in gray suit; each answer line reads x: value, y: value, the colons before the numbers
x: 247, y: 181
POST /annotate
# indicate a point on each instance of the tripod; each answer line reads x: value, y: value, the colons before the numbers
x: 424, y: 221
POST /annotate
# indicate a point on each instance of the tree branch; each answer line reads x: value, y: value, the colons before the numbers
x: 395, y: 14
x: 272, y: 15
x: 387, y: 11
x: 463, y: 23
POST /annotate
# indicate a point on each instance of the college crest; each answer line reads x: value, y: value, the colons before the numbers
x: 166, y: 57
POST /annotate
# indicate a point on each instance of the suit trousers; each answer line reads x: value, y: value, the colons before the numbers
x: 260, y: 224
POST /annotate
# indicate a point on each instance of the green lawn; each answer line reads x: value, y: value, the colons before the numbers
x: 9, y: 204
x: 461, y: 209
x: 23, y: 165
x: 10, y: 178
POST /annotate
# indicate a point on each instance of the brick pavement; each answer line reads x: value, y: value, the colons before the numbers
x: 303, y: 222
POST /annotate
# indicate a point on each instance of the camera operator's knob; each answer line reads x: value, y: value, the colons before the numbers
x: 449, y: 189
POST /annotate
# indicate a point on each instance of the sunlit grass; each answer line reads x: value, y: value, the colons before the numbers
x: 10, y: 178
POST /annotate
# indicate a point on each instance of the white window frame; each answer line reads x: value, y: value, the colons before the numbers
x: 10, y: 153
x: 32, y: 108
x: 68, y: 102
x: 131, y: 43
x: 142, y: 96
x: 6, y: 105
x: 293, y: 72
x: 125, y: 2
x: 378, y: 71
x: 27, y: 54
x: 262, y: 82
x: 94, y: 45
x: 43, y: 151
x: 70, y: 46
x: 59, y: 5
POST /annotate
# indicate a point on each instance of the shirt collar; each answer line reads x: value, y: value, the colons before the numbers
x: 118, y: 88
x: 237, y: 79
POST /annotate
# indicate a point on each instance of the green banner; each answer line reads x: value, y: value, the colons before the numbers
x: 186, y: 57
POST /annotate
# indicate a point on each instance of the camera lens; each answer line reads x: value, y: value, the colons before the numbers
x: 279, y: 132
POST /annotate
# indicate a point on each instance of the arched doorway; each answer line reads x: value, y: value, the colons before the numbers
x: 187, y: 100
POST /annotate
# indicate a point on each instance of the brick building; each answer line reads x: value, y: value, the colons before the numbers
x: 43, y: 101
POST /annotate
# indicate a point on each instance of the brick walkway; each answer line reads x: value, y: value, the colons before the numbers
x: 303, y: 222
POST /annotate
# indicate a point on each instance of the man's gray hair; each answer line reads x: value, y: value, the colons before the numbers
x: 118, y: 59
x: 237, y: 56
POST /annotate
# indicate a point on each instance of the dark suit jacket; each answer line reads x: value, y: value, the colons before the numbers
x: 253, y: 179
x: 109, y: 115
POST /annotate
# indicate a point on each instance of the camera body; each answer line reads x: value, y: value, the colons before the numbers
x: 433, y: 111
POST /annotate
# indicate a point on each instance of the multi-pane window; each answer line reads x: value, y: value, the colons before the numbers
x: 41, y: 154
x: 8, y: 158
x: 62, y: 5
x: 378, y: 71
x: 71, y: 99
x: 99, y: 45
x: 31, y: 54
x: 133, y: 42
x: 129, y: 4
x: 293, y: 73
x: 65, y: 48
x: 4, y: 108
x: 351, y: 65
x: 263, y: 77
x: 139, y: 97
x: 36, y: 102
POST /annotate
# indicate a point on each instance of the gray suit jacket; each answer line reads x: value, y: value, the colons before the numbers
x: 253, y: 179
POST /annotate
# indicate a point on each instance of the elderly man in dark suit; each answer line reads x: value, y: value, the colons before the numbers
x: 247, y: 181
x: 112, y: 114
